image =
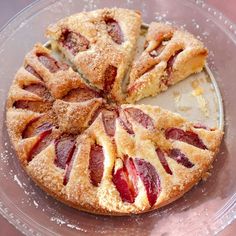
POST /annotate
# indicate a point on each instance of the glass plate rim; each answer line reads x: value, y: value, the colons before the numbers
x: 230, y: 210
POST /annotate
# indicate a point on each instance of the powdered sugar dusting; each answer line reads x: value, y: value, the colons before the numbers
x: 36, y: 204
x: 76, y: 227
x: 60, y: 222
x: 17, y: 181
x: 89, y: 5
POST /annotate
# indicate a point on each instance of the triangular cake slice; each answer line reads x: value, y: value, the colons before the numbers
x: 100, y: 44
x: 170, y: 55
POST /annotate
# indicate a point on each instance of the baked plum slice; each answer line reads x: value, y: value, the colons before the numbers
x: 40, y: 90
x: 42, y: 128
x: 162, y: 158
x: 125, y: 179
x: 36, y: 106
x: 180, y: 158
x: 50, y: 63
x: 36, y: 126
x: 114, y: 30
x: 185, y: 136
x: 32, y: 71
x: 125, y: 122
x: 96, y: 164
x: 201, y: 126
x: 150, y: 179
x: 64, y: 148
x: 45, y: 137
x: 171, y: 62
x: 69, y: 166
x: 74, y: 42
x: 109, y: 78
x: 109, y: 122
x: 140, y: 117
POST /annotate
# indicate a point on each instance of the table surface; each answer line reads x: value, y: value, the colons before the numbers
x: 9, y: 8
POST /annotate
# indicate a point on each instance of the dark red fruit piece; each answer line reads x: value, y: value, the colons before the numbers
x: 50, y: 63
x: 64, y: 148
x: 75, y: 42
x: 35, y: 106
x: 178, y: 156
x: 125, y: 123
x: 109, y: 122
x: 43, y: 127
x: 114, y: 30
x: 125, y: 180
x: 31, y: 70
x: 35, y: 127
x: 171, y: 62
x: 120, y: 180
x: 132, y: 175
x: 127, y: 126
x: 109, y: 78
x: 39, y: 90
x: 80, y: 95
x: 140, y: 117
x: 150, y: 179
x: 29, y: 128
x: 69, y: 166
x: 67, y: 174
x: 185, y: 136
x: 163, y: 161
x: 96, y: 164
x: 44, y: 140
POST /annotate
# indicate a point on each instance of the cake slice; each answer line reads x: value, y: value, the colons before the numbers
x: 100, y: 44
x: 170, y: 55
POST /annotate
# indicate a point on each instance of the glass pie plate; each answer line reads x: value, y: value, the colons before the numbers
x: 206, y: 210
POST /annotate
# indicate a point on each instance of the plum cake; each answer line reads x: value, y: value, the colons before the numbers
x: 170, y: 55
x: 77, y: 138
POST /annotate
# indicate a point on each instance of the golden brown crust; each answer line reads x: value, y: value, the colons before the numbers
x: 56, y: 121
x: 75, y: 117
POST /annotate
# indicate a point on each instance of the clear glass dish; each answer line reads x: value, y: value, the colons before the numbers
x: 207, y: 209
